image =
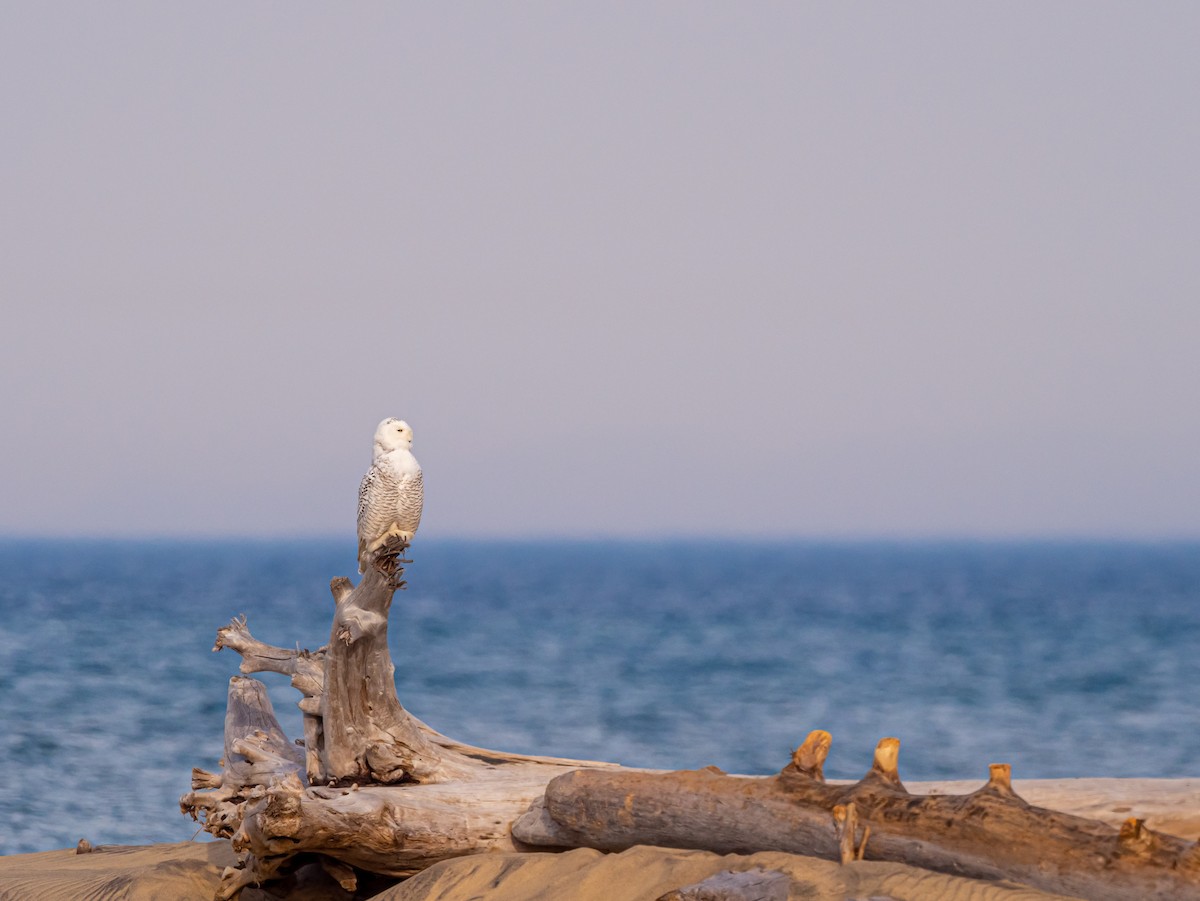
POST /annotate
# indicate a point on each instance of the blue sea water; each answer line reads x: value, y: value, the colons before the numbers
x: 1061, y: 659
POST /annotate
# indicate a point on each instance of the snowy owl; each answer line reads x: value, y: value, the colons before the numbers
x: 391, y: 493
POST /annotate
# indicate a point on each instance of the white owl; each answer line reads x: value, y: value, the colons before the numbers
x: 391, y: 493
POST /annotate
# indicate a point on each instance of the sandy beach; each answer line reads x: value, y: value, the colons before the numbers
x: 191, y: 870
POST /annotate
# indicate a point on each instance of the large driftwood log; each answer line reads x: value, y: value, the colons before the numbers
x: 989, y: 834
x: 374, y: 788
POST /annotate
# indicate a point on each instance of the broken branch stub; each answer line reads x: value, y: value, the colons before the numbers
x: 809, y: 759
x: 851, y: 845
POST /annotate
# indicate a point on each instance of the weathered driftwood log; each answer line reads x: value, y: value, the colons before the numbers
x: 376, y: 789
x: 989, y: 834
x: 373, y: 786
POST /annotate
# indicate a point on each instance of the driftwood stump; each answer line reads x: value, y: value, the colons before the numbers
x: 370, y: 787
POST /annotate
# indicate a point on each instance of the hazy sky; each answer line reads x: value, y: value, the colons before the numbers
x: 920, y: 269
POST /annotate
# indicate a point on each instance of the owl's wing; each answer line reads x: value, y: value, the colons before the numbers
x: 377, y: 494
x: 410, y: 498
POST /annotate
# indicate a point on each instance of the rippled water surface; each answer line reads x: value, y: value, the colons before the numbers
x: 1061, y: 659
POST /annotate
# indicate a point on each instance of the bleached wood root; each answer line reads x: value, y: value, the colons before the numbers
x: 257, y: 753
x: 988, y: 834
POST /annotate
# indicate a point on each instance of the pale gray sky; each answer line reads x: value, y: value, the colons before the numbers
x: 920, y: 269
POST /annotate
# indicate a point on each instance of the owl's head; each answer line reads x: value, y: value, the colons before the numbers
x: 391, y: 435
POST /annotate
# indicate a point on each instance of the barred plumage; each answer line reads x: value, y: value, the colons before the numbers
x: 391, y: 493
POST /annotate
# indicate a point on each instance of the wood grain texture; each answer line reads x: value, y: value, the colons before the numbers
x: 990, y: 833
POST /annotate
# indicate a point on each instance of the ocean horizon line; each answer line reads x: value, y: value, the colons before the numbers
x: 674, y: 539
